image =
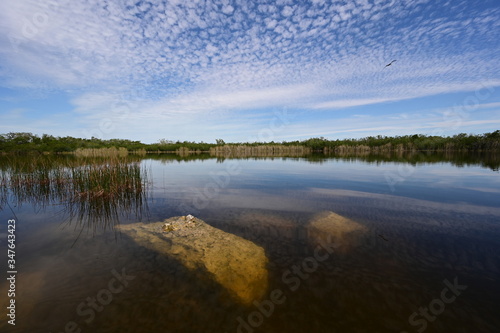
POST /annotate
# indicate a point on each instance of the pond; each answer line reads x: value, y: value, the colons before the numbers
x: 395, y: 243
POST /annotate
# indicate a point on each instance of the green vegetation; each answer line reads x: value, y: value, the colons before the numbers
x: 261, y: 150
x: 101, y: 152
x: 31, y: 143
x: 27, y: 142
x: 459, y: 142
x: 89, y: 189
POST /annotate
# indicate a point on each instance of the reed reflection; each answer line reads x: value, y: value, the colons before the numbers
x: 94, y: 192
x: 489, y: 160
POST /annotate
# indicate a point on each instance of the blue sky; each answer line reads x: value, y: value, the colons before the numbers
x: 249, y: 70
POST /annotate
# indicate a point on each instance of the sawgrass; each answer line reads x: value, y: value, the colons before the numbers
x: 95, y: 191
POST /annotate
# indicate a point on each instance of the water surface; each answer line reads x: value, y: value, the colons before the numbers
x: 423, y: 222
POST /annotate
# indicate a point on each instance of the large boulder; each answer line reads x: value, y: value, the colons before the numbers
x: 235, y: 263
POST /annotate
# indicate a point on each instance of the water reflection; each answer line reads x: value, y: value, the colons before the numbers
x: 97, y: 192
x: 440, y: 223
x: 370, y: 284
x: 93, y: 192
x: 460, y: 159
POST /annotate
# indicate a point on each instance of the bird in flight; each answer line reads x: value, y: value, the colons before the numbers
x: 389, y: 63
x: 381, y: 236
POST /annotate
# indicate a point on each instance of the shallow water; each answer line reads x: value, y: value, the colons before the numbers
x: 421, y: 227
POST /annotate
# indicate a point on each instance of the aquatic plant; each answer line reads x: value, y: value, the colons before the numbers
x: 97, y: 152
x: 94, y: 191
x: 30, y: 143
x: 260, y: 150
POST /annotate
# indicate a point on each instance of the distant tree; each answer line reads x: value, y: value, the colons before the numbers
x: 166, y: 142
x: 23, y: 142
x: 20, y: 137
x: 493, y: 135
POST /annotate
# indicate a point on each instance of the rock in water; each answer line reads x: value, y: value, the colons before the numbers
x: 235, y: 263
x: 343, y: 232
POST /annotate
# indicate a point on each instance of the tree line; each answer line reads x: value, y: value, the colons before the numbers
x: 23, y: 142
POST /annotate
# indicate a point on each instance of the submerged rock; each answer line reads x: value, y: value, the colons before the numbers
x: 342, y: 231
x: 235, y: 263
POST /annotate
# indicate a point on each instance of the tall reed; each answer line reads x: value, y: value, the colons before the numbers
x: 107, y: 191
x: 94, y: 190
x: 101, y: 152
x: 260, y: 151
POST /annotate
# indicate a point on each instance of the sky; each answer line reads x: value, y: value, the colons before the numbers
x: 245, y: 71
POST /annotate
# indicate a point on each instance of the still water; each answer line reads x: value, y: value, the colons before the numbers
x: 417, y: 249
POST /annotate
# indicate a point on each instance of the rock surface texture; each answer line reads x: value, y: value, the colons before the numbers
x: 235, y: 263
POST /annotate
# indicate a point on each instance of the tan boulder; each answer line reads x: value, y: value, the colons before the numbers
x: 342, y: 231
x: 235, y: 263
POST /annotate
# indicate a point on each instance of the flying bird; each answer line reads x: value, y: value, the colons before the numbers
x: 389, y: 63
x: 381, y: 236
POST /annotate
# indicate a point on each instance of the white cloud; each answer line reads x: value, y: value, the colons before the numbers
x: 287, y: 11
x: 185, y: 58
x: 95, y: 105
x: 341, y: 104
x: 89, y: 44
x: 228, y: 9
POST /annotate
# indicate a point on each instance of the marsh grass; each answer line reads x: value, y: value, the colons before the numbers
x: 106, y: 190
x: 93, y: 191
x: 260, y: 151
x: 3, y: 189
x: 102, y: 152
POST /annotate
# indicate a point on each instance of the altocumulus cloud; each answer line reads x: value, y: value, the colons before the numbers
x: 178, y: 58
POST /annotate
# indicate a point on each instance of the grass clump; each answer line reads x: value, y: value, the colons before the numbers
x: 94, y: 190
x: 102, y: 152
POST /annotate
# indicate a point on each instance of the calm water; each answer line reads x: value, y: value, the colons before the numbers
x: 424, y: 255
